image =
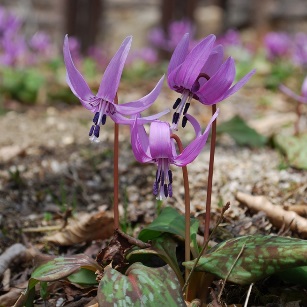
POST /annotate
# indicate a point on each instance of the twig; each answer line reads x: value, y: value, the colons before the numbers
x: 229, y: 272
x: 133, y: 240
x: 210, y: 176
x: 248, y: 294
x: 115, y: 173
x: 187, y: 206
x: 205, y: 245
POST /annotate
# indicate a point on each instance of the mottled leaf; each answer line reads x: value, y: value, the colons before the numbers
x: 242, y: 133
x: 247, y: 259
x: 164, y: 247
x: 83, y: 277
x: 143, y: 286
x: 295, y: 149
x: 62, y: 267
x: 170, y: 221
x: 296, y: 276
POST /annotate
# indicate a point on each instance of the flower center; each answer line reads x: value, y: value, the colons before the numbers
x: 104, y: 108
x: 182, y: 104
x: 162, y: 186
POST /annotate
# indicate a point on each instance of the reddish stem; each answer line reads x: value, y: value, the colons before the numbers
x: 115, y: 173
x: 187, y: 205
x: 297, y: 122
x: 210, y: 176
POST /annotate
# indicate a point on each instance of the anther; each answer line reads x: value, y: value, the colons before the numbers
x: 177, y: 102
x: 170, y: 190
x: 155, y: 188
x: 103, y: 119
x: 95, y: 119
x: 184, y: 121
x: 175, y: 118
x: 91, y: 130
x: 96, y: 131
x: 157, y: 176
x: 186, y: 108
x: 170, y: 176
x: 165, y: 190
x: 162, y: 178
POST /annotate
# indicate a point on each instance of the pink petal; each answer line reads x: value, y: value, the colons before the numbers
x: 142, y: 104
x: 214, y: 61
x: 195, y: 124
x: 210, y: 92
x: 139, y: 143
x: 74, y: 78
x: 179, y: 54
x: 111, y: 77
x: 237, y: 86
x: 304, y: 88
x: 189, y: 70
x: 160, y: 140
x: 291, y: 94
x: 191, y: 152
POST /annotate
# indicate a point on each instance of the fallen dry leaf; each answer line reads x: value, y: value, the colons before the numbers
x: 10, y: 298
x: 300, y: 209
x: 278, y: 216
x: 83, y: 228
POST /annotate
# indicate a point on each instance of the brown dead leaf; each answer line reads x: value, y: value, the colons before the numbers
x: 300, y: 209
x: 278, y: 216
x: 84, y: 228
x: 10, y: 298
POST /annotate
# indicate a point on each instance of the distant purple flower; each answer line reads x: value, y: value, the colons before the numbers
x: 148, y: 55
x: 14, y: 50
x: 230, y: 38
x: 40, y: 42
x: 201, y: 74
x: 300, y: 49
x: 98, y: 55
x: 301, y: 98
x: 277, y: 44
x: 159, y: 148
x: 102, y: 104
x: 169, y: 40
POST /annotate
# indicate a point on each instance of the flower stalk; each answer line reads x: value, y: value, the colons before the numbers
x: 115, y: 172
x: 210, y: 176
x: 187, y: 248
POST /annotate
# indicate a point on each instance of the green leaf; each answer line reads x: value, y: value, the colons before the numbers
x: 143, y: 286
x: 295, y: 149
x: 83, y: 277
x: 241, y: 132
x: 62, y: 267
x: 170, y: 221
x: 247, y: 259
x: 164, y: 247
x: 296, y: 276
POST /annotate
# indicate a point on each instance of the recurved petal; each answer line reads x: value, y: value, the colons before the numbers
x: 139, y: 143
x: 194, y: 123
x: 220, y: 82
x: 214, y: 61
x: 190, y: 153
x: 291, y: 94
x: 74, y: 78
x: 134, y: 107
x: 111, y: 77
x: 179, y: 53
x: 237, y: 86
x: 160, y: 140
x: 189, y: 70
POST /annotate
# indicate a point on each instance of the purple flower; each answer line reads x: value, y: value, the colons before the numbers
x: 277, y: 44
x: 102, y: 104
x: 201, y: 74
x: 159, y: 148
x: 301, y: 98
x: 300, y: 49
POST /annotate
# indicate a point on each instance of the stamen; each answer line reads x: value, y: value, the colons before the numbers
x: 162, y: 178
x: 186, y: 108
x: 170, y: 176
x: 103, y: 119
x: 165, y: 190
x: 91, y: 131
x: 184, y: 121
x: 96, y: 131
x: 157, y: 176
x: 175, y: 118
x: 177, y: 102
x: 170, y: 190
x: 96, y: 117
x: 155, y: 188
